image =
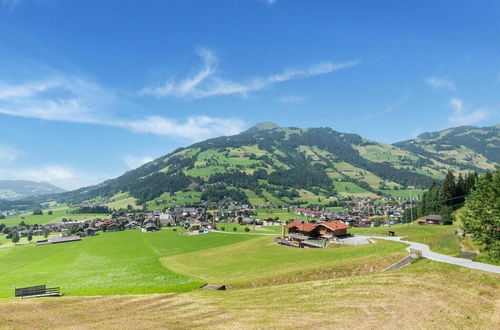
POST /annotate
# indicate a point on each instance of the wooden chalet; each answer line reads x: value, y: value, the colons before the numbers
x: 431, y: 219
x: 318, y: 230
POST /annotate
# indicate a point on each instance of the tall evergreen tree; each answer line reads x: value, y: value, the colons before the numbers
x: 482, y: 214
x: 448, y: 187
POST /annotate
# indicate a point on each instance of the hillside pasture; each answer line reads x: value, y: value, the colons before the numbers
x: 403, y: 193
x: 413, y: 297
x: 110, y: 263
x: 236, y: 264
x: 56, y: 216
x: 441, y: 239
x: 352, y: 189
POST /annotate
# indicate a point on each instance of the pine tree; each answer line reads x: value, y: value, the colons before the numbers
x: 482, y: 215
x: 448, y: 187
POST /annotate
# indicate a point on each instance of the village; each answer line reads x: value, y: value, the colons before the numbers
x: 299, y: 227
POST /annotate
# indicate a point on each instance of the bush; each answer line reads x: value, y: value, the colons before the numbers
x: 175, y: 229
x: 247, y: 229
x: 223, y: 228
x: 235, y: 229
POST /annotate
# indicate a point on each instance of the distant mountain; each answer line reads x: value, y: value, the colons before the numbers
x: 268, y: 164
x: 18, y: 189
x: 463, y: 148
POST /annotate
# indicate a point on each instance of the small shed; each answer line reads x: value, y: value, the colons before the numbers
x: 433, y: 219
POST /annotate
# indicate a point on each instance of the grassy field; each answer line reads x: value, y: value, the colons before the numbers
x: 179, y: 198
x: 403, y: 193
x: 56, y: 216
x: 236, y: 264
x: 111, y: 263
x: 352, y: 189
x: 425, y: 295
x: 440, y: 239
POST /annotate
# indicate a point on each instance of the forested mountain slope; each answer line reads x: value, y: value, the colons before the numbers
x: 271, y: 164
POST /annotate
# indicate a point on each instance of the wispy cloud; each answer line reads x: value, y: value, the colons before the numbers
x: 206, y: 82
x: 9, y: 154
x: 270, y: 2
x: 441, y: 83
x: 11, y: 3
x: 292, y: 99
x: 195, y: 128
x: 390, y: 108
x: 73, y: 99
x: 60, y: 175
x: 134, y: 162
x: 460, y: 115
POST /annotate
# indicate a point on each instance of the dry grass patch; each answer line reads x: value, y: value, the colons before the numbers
x: 426, y: 295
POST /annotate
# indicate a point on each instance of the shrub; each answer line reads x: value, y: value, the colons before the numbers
x: 223, y: 228
x: 247, y: 229
x: 235, y: 229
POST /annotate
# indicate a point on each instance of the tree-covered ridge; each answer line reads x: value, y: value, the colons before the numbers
x: 275, y: 164
x: 465, y: 147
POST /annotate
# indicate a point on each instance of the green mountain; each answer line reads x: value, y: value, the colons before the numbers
x: 268, y: 164
x: 462, y: 148
x: 18, y: 189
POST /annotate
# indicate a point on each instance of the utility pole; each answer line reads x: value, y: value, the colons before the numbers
x: 411, y: 204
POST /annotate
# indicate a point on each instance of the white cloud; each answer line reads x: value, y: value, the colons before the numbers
x: 59, y: 175
x: 134, y: 162
x: 294, y: 99
x: 73, y: 99
x: 442, y: 83
x: 9, y: 154
x: 205, y: 83
x: 461, y: 117
x: 195, y: 128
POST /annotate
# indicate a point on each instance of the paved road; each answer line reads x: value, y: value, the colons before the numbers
x: 427, y: 253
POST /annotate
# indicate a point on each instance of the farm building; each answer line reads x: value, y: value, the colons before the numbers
x: 322, y: 229
x: 431, y: 219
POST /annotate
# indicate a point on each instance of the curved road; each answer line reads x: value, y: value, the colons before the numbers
x: 427, y: 253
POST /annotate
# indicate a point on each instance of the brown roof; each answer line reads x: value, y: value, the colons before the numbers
x: 335, y: 225
x: 306, y: 226
x: 302, y: 226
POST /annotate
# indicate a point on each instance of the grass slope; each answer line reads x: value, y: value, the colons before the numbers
x: 412, y: 298
x: 111, y: 263
x: 237, y: 264
x: 56, y: 216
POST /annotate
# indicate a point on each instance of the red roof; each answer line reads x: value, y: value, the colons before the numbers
x: 309, y: 211
x: 335, y: 225
x: 306, y: 226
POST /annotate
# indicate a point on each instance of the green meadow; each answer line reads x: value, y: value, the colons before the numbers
x: 56, y: 216
x: 441, y: 239
x: 110, y: 263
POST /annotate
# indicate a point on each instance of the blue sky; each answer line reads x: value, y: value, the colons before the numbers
x: 90, y: 89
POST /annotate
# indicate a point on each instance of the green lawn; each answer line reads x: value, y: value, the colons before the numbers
x: 403, y: 193
x: 261, y: 260
x: 110, y: 263
x: 440, y: 239
x: 56, y: 216
x: 350, y: 188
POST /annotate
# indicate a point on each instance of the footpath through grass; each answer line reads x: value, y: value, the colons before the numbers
x: 110, y: 263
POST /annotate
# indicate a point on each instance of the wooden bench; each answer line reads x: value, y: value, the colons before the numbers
x: 37, y: 291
